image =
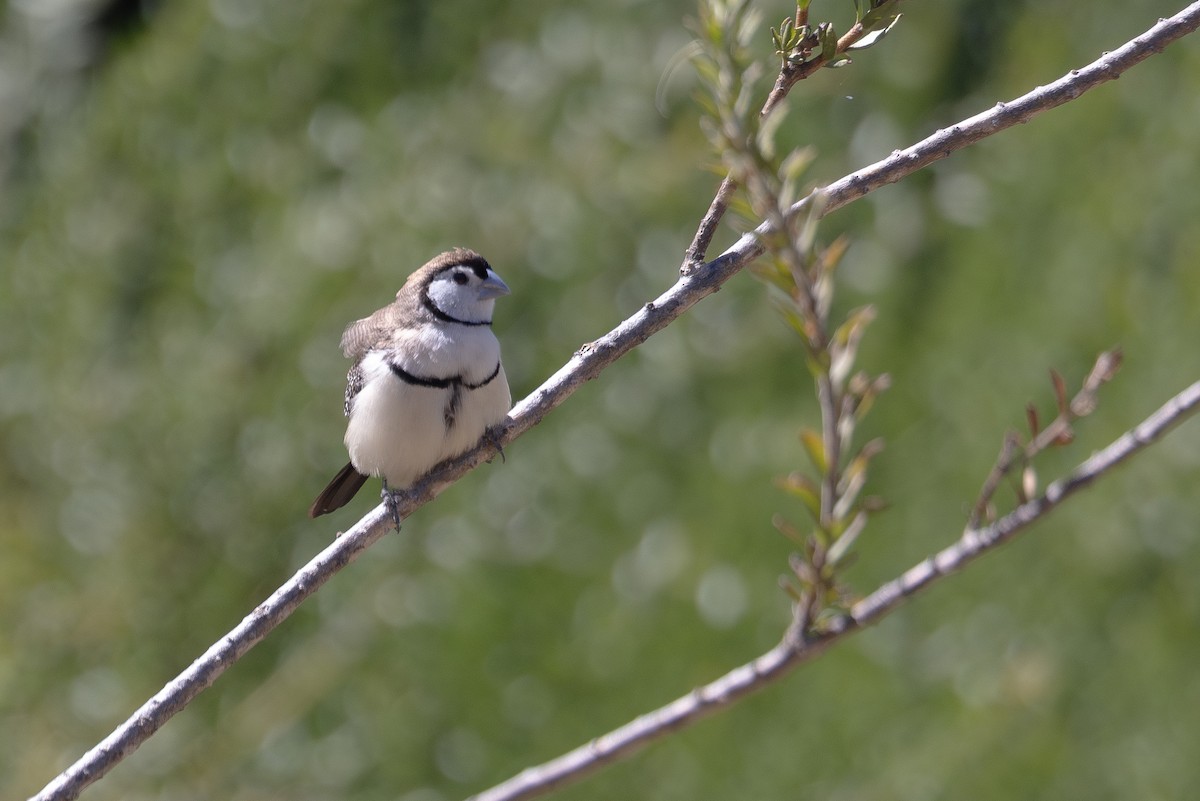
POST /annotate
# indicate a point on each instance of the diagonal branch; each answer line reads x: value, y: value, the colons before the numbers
x: 902, y: 163
x: 793, y: 652
x: 584, y: 365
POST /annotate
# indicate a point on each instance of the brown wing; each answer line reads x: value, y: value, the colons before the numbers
x: 363, y: 335
x: 359, y: 338
x: 373, y: 333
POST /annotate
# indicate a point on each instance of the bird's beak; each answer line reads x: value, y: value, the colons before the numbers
x: 492, y: 287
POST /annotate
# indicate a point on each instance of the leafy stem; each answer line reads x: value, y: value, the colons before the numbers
x: 800, y: 274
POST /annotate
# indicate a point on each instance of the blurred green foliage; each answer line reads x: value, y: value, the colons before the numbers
x: 190, y: 218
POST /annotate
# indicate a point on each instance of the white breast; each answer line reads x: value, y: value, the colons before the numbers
x: 398, y: 430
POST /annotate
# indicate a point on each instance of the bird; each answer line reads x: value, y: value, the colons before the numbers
x: 427, y: 381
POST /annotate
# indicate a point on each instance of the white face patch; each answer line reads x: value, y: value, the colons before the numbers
x: 456, y: 292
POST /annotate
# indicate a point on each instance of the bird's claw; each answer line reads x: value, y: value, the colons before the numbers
x: 492, y: 439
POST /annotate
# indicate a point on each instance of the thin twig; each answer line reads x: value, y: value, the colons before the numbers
x: 585, y: 365
x: 1009, y: 452
x: 694, y: 255
x: 1012, y: 453
x: 792, y: 652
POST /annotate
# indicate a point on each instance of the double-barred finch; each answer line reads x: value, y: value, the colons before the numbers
x: 427, y: 381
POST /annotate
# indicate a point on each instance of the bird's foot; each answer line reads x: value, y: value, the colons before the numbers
x: 392, y: 502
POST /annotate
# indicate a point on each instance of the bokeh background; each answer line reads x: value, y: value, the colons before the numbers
x: 198, y: 195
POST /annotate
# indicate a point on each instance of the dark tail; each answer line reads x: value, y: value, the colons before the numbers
x: 341, y: 489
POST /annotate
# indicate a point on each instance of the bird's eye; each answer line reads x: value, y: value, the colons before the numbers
x: 461, y: 278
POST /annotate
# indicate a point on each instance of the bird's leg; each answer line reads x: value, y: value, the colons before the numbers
x: 490, y: 438
x: 389, y: 500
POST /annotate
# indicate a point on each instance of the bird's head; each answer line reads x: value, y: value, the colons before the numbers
x: 463, y: 287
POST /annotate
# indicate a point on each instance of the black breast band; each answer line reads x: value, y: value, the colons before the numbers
x: 441, y: 383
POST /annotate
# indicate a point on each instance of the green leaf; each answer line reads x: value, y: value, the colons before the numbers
x: 796, y: 321
x: 875, y: 35
x: 767, y: 128
x: 832, y: 255
x: 815, y: 447
x: 858, y: 465
x: 785, y: 37
x: 846, y: 338
x: 850, y: 332
x: 784, y: 527
x: 788, y: 586
x: 883, y: 15
x: 827, y: 37
x: 796, y: 162
x: 817, y: 363
x: 805, y: 489
x: 867, y: 391
x: 845, y: 540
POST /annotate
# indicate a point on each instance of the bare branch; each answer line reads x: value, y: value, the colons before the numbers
x: 790, y: 653
x: 586, y: 364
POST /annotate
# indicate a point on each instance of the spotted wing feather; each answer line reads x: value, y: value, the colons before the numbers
x: 359, y: 338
